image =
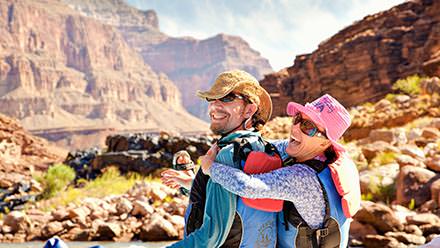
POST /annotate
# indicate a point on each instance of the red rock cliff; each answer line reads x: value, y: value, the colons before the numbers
x: 59, y: 68
x: 361, y: 62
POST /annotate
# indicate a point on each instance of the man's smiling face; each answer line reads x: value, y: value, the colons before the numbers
x: 226, y: 116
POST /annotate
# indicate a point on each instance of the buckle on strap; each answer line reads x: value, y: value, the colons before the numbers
x: 321, y: 233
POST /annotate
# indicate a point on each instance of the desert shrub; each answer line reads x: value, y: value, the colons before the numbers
x: 110, y: 182
x: 409, y: 85
x: 56, y: 179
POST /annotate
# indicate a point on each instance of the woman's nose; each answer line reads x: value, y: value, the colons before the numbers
x: 295, y: 127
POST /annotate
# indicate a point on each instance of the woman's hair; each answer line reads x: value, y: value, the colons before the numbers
x: 331, y: 155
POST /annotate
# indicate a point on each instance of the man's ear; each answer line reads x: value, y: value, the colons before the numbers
x: 250, y: 110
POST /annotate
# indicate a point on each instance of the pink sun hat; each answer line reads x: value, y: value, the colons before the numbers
x: 327, y: 112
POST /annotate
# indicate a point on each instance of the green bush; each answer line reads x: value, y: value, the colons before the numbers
x: 409, y: 85
x: 111, y: 182
x: 56, y: 179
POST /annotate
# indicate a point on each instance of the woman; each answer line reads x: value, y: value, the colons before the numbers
x: 314, y: 213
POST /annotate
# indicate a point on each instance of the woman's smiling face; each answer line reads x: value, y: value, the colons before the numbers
x: 304, y: 147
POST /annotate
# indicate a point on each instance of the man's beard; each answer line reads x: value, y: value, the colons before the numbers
x: 218, y: 130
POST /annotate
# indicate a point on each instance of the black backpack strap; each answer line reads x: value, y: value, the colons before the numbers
x: 292, y: 216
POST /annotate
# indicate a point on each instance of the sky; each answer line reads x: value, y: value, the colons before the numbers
x: 278, y: 29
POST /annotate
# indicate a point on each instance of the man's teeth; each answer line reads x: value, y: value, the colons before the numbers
x: 217, y: 117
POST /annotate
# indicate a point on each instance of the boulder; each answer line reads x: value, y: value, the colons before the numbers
x: 142, y: 208
x: 414, y: 134
x: 433, y: 163
x: 413, y: 183
x: 431, y: 133
x: 60, y: 214
x: 372, y: 149
x: 435, y: 123
x: 429, y: 229
x: 413, y: 151
x: 360, y: 230
x: 402, y: 212
x: 413, y: 229
x: 79, y: 234
x: 158, y: 229
x: 383, y: 105
x: 405, y: 160
x: 109, y: 231
x: 433, y: 241
x: 428, y: 206
x: 406, y: 238
x: 79, y: 213
x: 375, y: 241
x: 391, y: 136
x: 99, y: 213
x: 157, y: 193
x: 435, y: 191
x: 423, y: 219
x: 123, y: 205
x: 380, y: 216
x: 51, y: 229
x: 17, y: 221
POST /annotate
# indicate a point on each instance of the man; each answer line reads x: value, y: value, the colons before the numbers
x: 238, y: 108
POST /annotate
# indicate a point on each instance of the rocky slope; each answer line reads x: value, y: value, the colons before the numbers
x: 83, y: 75
x: 361, y: 62
x: 21, y: 155
x: 190, y: 63
x: 144, y: 213
x: 395, y: 144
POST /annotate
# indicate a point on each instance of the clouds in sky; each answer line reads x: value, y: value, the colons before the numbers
x: 278, y: 29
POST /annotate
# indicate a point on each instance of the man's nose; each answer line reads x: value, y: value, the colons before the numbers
x: 216, y: 104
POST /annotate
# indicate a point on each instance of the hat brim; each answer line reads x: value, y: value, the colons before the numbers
x: 213, y: 95
x: 293, y: 108
x: 265, y: 104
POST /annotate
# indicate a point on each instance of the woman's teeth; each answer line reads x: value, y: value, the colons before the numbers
x: 294, y: 140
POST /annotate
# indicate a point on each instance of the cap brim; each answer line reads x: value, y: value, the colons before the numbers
x: 293, y: 108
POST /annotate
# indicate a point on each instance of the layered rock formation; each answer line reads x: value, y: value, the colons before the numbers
x: 362, y: 61
x: 60, y: 69
x: 192, y: 64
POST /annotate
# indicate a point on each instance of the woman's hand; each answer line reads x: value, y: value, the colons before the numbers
x: 207, y: 160
x: 176, y: 178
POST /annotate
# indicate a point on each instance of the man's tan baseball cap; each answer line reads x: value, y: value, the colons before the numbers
x: 242, y: 83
